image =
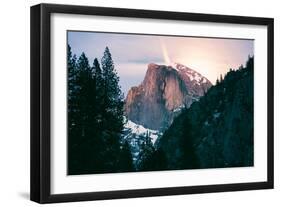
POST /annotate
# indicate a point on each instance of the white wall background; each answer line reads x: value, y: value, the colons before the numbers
x: 14, y: 101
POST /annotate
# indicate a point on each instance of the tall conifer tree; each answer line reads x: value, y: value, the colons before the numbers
x: 113, y: 97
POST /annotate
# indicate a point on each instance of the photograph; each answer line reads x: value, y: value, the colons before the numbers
x: 153, y: 102
x: 132, y: 103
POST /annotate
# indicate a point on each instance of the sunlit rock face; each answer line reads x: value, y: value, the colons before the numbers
x: 164, y: 91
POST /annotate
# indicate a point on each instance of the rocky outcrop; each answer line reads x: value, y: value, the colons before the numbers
x: 164, y: 91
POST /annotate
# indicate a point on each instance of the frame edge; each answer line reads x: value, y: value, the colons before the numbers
x: 35, y: 161
x: 270, y: 103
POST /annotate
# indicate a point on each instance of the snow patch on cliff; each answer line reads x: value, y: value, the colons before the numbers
x: 140, y: 131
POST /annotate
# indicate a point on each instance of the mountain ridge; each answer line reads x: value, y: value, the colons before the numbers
x: 164, y: 91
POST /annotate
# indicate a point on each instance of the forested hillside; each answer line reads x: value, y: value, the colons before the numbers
x: 216, y: 131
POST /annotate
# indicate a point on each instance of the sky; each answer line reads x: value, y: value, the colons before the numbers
x: 131, y: 53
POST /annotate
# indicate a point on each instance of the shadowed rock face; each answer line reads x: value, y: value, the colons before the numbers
x: 161, y: 95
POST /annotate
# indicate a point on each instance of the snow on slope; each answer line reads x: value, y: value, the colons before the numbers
x: 138, y: 130
x: 193, y: 75
x: 135, y: 135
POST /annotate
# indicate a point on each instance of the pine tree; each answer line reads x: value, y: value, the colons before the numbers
x: 221, y: 78
x: 125, y: 158
x: 73, y: 110
x: 146, y: 153
x: 217, y: 82
x: 113, y: 97
x: 72, y: 88
x: 99, y: 87
x: 98, y: 74
x: 84, y: 81
x: 112, y: 112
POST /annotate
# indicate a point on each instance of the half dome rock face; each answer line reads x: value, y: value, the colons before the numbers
x: 164, y: 91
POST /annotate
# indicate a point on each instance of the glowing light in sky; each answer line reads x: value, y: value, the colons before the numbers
x: 131, y: 53
x: 165, y: 52
x: 211, y: 57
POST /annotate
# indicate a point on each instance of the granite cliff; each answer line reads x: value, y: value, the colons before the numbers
x: 164, y: 92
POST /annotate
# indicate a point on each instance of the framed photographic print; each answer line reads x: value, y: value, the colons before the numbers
x: 132, y: 103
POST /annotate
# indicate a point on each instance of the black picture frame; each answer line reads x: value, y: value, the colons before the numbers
x: 40, y: 184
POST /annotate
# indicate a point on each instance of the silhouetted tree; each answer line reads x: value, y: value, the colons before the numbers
x: 113, y: 97
x: 95, y: 111
x: 125, y: 158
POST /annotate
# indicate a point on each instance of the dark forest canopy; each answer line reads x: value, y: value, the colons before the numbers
x: 216, y: 131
